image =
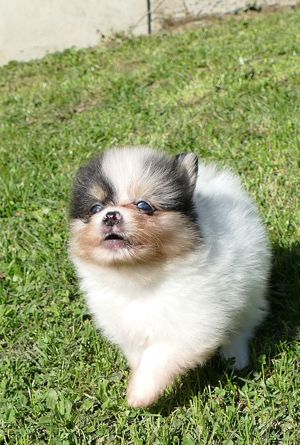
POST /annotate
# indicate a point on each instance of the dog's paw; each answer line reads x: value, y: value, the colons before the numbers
x: 238, y: 351
x: 142, y: 393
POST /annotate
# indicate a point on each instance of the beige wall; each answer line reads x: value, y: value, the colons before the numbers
x: 31, y: 28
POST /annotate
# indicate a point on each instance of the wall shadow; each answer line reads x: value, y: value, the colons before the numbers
x: 282, y: 325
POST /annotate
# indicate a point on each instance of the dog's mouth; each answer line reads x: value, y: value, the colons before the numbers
x: 114, y: 236
x: 115, y: 241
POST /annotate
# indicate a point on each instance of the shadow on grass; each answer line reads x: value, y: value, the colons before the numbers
x: 282, y: 325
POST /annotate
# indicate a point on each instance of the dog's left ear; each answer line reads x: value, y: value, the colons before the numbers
x: 189, y: 162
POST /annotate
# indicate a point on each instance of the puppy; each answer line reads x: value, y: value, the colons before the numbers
x: 173, y: 259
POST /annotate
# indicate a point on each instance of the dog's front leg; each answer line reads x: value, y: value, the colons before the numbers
x: 156, y: 370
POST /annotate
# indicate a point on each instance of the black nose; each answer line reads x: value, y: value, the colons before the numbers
x: 112, y: 218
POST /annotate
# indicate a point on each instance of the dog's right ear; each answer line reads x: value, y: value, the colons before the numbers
x: 188, y: 162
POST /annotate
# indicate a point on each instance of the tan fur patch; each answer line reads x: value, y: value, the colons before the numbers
x: 151, y: 238
x: 98, y: 193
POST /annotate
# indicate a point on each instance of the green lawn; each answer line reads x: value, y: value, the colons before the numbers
x: 230, y: 91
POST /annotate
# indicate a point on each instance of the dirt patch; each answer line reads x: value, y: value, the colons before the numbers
x: 171, y: 24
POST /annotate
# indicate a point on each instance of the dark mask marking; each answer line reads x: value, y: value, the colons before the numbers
x: 89, y: 177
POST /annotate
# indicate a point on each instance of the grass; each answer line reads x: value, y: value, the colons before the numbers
x: 230, y: 91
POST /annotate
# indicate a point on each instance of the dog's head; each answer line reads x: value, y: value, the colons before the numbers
x: 134, y: 205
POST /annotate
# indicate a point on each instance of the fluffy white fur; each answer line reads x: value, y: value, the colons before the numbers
x: 171, y: 317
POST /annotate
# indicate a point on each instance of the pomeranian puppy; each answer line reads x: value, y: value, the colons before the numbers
x: 173, y: 259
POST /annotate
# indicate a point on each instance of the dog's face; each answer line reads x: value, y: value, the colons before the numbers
x: 134, y: 205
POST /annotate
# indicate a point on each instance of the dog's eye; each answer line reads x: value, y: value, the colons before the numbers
x: 96, y: 209
x: 145, y: 207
